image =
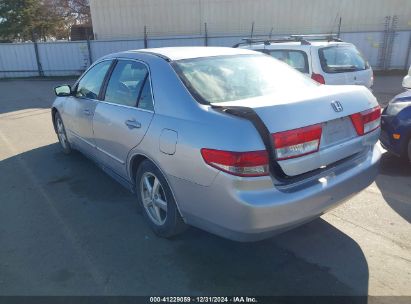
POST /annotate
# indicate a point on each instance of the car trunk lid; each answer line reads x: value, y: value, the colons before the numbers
x: 329, y: 107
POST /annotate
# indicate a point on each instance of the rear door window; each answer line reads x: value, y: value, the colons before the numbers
x: 126, y: 82
x: 297, y: 59
x: 146, y: 98
x: 341, y: 59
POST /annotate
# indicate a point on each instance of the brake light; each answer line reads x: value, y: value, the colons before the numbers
x: 253, y: 163
x: 297, y: 142
x: 318, y: 77
x: 366, y: 121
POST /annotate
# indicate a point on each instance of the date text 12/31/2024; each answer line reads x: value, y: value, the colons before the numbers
x: 203, y: 299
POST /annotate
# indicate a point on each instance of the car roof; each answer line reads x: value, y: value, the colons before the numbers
x: 261, y: 45
x: 179, y: 53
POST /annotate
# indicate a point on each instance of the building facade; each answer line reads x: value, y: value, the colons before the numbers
x: 126, y: 19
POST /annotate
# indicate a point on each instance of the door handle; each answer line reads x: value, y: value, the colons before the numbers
x: 86, y: 112
x: 132, y: 124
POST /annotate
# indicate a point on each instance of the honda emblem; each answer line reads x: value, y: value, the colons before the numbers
x: 337, y: 106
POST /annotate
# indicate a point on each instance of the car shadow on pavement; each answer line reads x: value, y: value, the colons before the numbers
x: 68, y: 228
x: 391, y: 179
x: 314, y: 259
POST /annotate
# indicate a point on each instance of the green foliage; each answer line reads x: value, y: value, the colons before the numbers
x: 23, y: 20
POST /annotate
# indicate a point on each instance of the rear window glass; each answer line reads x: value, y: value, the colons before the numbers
x: 227, y: 78
x: 297, y: 59
x: 341, y: 59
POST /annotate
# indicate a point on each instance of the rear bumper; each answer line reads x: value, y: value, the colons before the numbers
x: 250, y: 209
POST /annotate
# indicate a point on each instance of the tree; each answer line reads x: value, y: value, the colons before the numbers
x: 73, y: 12
x: 80, y: 10
x: 76, y: 11
x: 22, y: 20
x: 13, y: 19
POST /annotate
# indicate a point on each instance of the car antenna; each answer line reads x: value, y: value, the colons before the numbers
x: 339, y: 28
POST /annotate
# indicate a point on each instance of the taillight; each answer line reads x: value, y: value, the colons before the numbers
x: 297, y: 142
x: 318, y: 77
x: 366, y: 121
x: 254, y: 163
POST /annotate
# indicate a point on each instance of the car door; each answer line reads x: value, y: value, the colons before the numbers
x: 123, y: 116
x: 79, y: 108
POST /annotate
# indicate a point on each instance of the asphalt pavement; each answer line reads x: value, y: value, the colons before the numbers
x: 66, y: 228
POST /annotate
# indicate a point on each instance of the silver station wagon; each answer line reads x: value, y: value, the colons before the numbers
x: 231, y: 141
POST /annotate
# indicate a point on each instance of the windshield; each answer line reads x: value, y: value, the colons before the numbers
x: 340, y: 59
x: 229, y: 78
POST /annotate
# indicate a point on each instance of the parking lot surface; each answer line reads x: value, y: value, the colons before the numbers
x: 66, y: 228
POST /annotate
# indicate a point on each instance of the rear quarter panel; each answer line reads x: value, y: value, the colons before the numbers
x: 211, y: 130
x: 197, y: 126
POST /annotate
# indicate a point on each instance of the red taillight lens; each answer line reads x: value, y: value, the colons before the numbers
x: 366, y: 121
x: 297, y: 142
x: 318, y: 77
x: 254, y: 163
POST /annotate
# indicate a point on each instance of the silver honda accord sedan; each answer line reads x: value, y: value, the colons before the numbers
x: 228, y: 140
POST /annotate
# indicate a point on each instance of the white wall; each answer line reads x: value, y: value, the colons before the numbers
x: 120, y: 19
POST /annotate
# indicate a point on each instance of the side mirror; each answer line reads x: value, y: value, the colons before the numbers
x: 63, y: 90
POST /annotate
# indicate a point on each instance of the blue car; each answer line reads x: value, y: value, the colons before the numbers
x: 396, y: 126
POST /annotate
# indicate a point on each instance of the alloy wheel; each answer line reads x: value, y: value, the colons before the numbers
x: 61, y: 133
x: 153, y: 198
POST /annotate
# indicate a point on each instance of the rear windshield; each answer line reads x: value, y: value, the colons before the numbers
x: 228, y: 78
x: 341, y: 59
x: 297, y: 59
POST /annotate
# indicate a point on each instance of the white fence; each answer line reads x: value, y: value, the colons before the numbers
x: 72, y: 58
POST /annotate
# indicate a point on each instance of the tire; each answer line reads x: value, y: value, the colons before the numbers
x: 158, y: 205
x: 61, y: 134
